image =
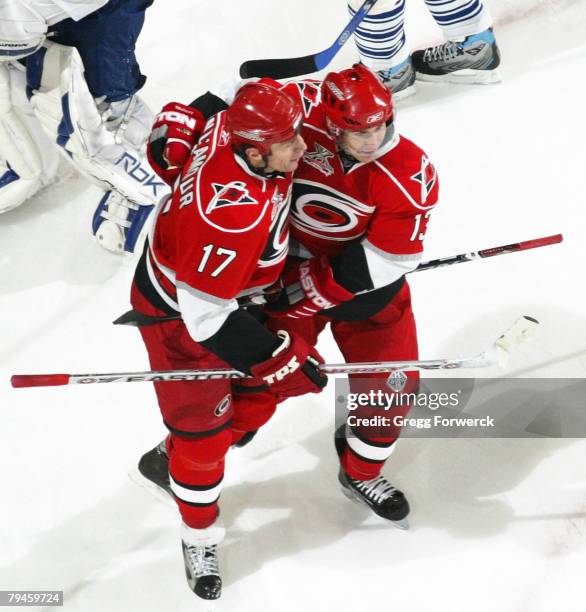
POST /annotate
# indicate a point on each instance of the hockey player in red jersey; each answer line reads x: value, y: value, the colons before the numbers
x: 362, y: 197
x: 221, y: 235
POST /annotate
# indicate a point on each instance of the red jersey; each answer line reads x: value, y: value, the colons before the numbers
x: 386, y: 202
x: 224, y: 229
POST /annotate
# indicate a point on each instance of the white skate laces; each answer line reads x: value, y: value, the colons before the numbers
x: 203, y: 560
x: 448, y: 51
x: 378, y: 489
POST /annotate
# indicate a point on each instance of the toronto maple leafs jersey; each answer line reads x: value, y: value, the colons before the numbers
x: 380, y: 208
x: 222, y: 233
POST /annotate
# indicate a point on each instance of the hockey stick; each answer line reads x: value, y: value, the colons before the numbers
x: 492, y: 252
x: 296, y: 66
x: 137, y: 319
x: 498, y: 353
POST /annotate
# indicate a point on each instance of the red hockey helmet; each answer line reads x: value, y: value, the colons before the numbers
x: 262, y: 115
x: 355, y: 99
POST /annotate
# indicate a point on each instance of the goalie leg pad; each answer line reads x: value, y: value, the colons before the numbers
x: 117, y: 223
x: 22, y: 29
x: 91, y: 139
x: 27, y: 159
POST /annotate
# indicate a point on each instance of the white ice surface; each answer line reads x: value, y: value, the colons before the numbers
x: 496, y: 524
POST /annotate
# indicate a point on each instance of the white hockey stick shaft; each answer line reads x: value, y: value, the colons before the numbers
x: 505, y: 344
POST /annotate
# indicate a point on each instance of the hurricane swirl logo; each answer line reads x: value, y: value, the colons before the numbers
x: 324, y: 212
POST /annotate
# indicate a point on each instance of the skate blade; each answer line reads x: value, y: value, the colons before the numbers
x: 144, y: 483
x: 403, y: 524
x: 463, y: 77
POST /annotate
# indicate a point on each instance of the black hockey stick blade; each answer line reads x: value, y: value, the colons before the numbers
x: 287, y: 68
x: 278, y: 68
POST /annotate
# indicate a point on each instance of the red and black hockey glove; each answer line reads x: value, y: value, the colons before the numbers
x: 310, y: 287
x: 175, y: 131
x: 293, y: 368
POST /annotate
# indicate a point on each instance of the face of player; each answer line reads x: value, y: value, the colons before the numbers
x: 285, y: 156
x: 363, y: 145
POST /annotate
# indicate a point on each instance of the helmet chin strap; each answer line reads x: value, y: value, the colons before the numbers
x: 260, y: 170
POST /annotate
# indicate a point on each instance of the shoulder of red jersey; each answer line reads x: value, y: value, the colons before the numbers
x: 308, y: 94
x: 406, y: 169
x: 223, y: 192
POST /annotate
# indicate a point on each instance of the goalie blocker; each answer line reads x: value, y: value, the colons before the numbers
x: 104, y: 141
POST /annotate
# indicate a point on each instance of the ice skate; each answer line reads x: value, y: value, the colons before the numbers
x: 399, y: 79
x: 245, y: 439
x: 152, y: 473
x: 379, y: 495
x: 200, y: 555
x: 202, y: 571
x: 472, y: 60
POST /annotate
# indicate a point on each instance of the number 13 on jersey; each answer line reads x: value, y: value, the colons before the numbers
x: 417, y: 235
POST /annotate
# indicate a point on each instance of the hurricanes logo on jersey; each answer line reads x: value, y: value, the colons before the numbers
x: 223, y: 406
x: 319, y: 159
x: 310, y: 96
x: 426, y: 177
x: 232, y: 194
x: 319, y: 210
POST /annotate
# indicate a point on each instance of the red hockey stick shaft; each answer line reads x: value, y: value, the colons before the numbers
x: 492, y: 252
x: 522, y: 246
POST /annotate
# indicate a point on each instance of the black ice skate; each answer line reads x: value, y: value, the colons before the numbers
x: 246, y: 439
x: 472, y: 60
x: 379, y: 495
x: 153, y: 473
x: 202, y: 571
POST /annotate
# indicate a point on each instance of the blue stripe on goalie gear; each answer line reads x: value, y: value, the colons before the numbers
x: 102, y: 207
x: 8, y: 177
x: 65, y: 128
x: 137, y: 218
x: 34, y: 71
x: 18, y: 53
x: 131, y: 226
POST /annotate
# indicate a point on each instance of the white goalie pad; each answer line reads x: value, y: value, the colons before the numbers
x: 109, y: 150
x: 28, y: 160
x: 22, y: 29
